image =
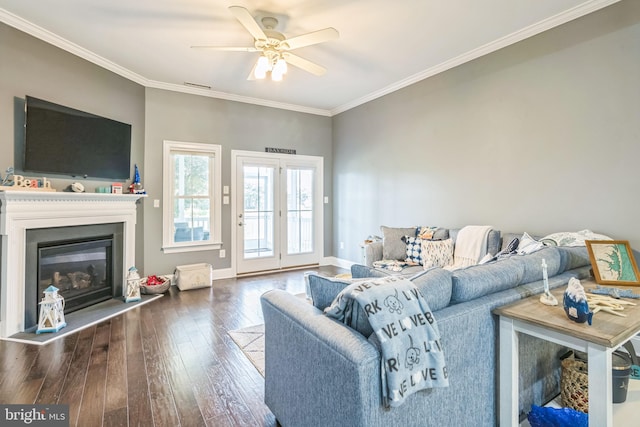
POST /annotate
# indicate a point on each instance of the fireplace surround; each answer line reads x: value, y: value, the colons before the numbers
x: 22, y: 211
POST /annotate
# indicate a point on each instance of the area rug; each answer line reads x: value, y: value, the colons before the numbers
x: 251, y: 342
x: 82, y: 319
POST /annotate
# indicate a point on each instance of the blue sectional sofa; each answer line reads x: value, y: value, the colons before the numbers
x: 320, y: 372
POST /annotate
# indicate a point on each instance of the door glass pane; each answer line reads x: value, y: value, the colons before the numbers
x: 258, y: 216
x: 299, y: 211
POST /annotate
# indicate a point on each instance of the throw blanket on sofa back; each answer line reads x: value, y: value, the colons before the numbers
x: 411, y: 355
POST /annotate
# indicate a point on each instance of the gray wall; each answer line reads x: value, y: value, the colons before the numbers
x: 32, y: 67
x: 235, y: 126
x: 542, y: 136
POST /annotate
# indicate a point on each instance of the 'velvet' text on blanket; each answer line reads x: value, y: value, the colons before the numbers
x: 412, y: 357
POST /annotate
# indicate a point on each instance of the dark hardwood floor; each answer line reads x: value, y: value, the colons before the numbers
x: 166, y: 363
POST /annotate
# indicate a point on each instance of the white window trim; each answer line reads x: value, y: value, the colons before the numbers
x: 168, y: 246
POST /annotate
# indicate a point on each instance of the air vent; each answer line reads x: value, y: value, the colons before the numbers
x: 197, y: 85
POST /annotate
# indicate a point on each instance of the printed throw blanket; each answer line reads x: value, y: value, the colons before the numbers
x: 411, y: 354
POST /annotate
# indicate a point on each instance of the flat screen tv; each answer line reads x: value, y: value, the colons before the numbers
x: 65, y: 141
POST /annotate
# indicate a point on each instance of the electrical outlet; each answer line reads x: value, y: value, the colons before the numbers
x: 223, y: 253
x: 341, y: 245
x: 156, y: 203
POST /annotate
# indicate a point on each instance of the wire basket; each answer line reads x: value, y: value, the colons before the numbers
x: 574, y: 384
x: 155, y: 289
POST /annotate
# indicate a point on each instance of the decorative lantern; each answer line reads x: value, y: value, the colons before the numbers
x: 133, y: 285
x: 51, y: 311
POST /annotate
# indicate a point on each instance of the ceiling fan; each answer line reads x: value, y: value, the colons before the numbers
x: 275, y: 49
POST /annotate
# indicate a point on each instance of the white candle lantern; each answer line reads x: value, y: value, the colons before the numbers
x: 133, y: 286
x: 51, y: 311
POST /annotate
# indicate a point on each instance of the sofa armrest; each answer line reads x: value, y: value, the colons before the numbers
x: 372, y: 253
x: 309, y: 355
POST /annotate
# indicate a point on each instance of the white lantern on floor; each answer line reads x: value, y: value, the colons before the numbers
x: 133, y: 286
x: 51, y: 311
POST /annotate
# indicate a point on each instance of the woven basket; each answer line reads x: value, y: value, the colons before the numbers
x: 155, y: 289
x: 574, y: 384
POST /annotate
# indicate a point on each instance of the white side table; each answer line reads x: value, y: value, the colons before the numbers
x: 529, y: 316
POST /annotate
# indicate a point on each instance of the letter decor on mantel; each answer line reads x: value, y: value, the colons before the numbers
x: 280, y: 150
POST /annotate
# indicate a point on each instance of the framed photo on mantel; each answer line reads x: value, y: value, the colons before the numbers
x: 613, y: 262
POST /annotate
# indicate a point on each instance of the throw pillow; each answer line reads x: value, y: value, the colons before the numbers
x: 426, y: 232
x: 567, y: 238
x: 392, y: 245
x: 437, y: 253
x: 528, y: 245
x: 413, y: 249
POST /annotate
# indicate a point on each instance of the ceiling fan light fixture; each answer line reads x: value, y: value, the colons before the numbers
x: 276, y: 77
x: 280, y: 67
x: 262, y: 67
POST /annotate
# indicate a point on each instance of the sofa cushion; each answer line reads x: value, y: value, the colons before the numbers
x: 435, y: 286
x: 573, y: 257
x: 479, y: 280
x: 323, y: 290
x: 437, y: 253
x: 532, y: 263
x: 393, y: 246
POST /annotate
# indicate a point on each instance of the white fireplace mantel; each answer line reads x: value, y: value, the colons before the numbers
x: 24, y: 210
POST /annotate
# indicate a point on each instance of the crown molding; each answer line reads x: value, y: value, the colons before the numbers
x: 532, y: 30
x: 537, y: 28
x: 62, y: 43
x: 238, y: 98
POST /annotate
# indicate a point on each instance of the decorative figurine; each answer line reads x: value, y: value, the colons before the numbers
x: 133, y: 286
x: 546, y: 298
x: 7, y: 181
x: 575, y: 302
x: 51, y: 311
x: 136, y: 185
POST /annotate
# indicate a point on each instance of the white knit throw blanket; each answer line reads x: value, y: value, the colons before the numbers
x: 471, y: 245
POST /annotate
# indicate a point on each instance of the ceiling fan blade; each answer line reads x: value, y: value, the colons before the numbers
x: 228, y: 48
x: 248, y: 22
x: 304, y: 64
x: 312, y: 38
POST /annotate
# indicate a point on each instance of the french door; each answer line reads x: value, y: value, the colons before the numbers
x: 277, y: 209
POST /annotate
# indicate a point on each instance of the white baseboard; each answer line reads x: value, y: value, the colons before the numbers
x: 224, y: 273
x: 337, y: 262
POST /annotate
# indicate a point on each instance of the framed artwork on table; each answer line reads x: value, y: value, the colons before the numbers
x: 613, y: 262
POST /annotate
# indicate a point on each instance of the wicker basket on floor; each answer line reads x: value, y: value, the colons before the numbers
x: 574, y: 384
x: 155, y: 289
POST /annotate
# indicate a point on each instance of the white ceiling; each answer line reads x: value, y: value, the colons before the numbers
x: 383, y: 46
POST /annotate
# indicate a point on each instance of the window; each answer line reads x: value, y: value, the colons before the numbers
x: 191, y: 191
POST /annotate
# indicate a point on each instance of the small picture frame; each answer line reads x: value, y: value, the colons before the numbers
x: 116, y: 188
x: 613, y: 262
